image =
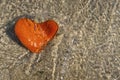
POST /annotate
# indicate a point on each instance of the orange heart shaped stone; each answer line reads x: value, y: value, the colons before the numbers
x: 35, y: 36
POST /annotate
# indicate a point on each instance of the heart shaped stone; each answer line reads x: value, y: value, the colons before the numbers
x: 35, y: 36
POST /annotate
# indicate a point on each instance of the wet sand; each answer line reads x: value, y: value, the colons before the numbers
x: 86, y: 47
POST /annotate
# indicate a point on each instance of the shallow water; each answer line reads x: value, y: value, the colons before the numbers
x: 86, y: 47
